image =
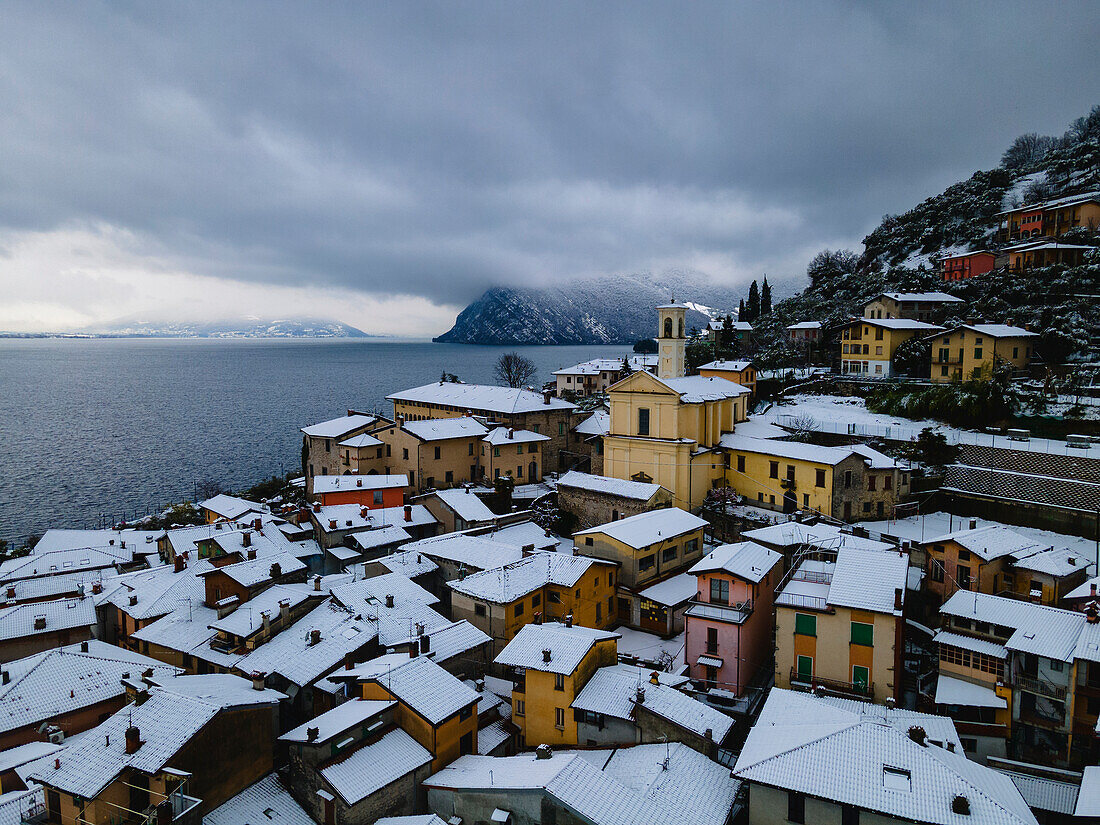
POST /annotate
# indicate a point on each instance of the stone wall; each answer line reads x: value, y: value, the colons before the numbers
x: 592, y: 509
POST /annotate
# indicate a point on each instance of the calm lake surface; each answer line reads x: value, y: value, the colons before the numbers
x: 100, y: 429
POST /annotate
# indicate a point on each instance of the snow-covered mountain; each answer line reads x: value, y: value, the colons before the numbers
x: 606, y: 310
x: 246, y: 327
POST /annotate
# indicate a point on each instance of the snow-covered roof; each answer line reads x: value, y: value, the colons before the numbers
x: 726, y: 366
x: 923, y: 297
x: 157, y: 591
x: 1057, y: 203
x: 599, y: 423
x: 231, y: 507
x: 527, y: 533
x: 408, y: 563
x: 361, y: 440
x: 1054, y: 561
x: 746, y: 559
x: 121, y: 542
x: 1039, y: 629
x: 674, y: 590
x: 166, y: 720
x: 613, y: 691
x: 500, y: 436
x: 592, y: 367
x: 827, y: 536
x: 997, y: 330
x: 338, y: 484
x: 377, y: 589
x: 870, y: 765
x: 380, y: 537
x: 481, y: 397
x: 505, y: 584
x: 340, y: 719
x: 374, y: 766
x: 249, y: 617
x: 1084, y: 590
x: 266, y: 801
x: 1045, y: 794
x: 454, y: 639
x: 964, y: 253
x: 697, y: 389
x: 187, y: 630
x: 805, y: 325
x: 251, y: 572
x: 868, y: 579
x: 465, y: 504
x: 476, y: 552
x: 337, y: 427
x: 35, y: 618
x: 352, y: 517
x: 441, y: 429
x: 989, y: 542
x: 805, y: 452
x: 53, y: 562
x: 647, y: 528
x: 972, y: 643
x: 64, y: 679
x: 416, y: 819
x: 952, y: 691
x: 417, y: 682
x: 1088, y: 801
x: 895, y: 323
x: 567, y: 646
x: 609, y: 486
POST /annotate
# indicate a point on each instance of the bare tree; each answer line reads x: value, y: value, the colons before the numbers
x: 803, y: 428
x: 515, y: 370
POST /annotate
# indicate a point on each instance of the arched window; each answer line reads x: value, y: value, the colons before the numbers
x: 681, y: 328
x: 668, y: 327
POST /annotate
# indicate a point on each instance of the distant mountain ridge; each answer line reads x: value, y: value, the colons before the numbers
x: 247, y: 327
x: 604, y: 310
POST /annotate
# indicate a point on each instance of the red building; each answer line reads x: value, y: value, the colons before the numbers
x: 370, y: 491
x: 967, y: 265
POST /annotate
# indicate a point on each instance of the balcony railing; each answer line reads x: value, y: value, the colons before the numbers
x: 834, y: 685
x: 819, y: 603
x: 1040, y: 686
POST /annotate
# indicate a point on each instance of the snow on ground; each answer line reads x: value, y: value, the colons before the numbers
x: 850, y: 416
x: 931, y: 525
x: 650, y: 646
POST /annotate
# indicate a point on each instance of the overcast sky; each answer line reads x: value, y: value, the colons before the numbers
x: 384, y: 163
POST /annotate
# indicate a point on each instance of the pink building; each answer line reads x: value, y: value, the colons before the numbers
x: 728, y: 629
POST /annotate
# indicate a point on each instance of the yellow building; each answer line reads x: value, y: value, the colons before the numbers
x: 916, y: 306
x: 515, y: 454
x: 842, y: 482
x: 1051, y: 218
x: 436, y: 452
x: 647, y: 547
x: 550, y: 664
x: 739, y: 372
x: 868, y: 344
x: 839, y: 623
x: 543, y: 586
x: 971, y: 352
x: 671, y: 340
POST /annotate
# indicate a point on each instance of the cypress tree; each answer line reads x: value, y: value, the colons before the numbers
x: 752, y: 306
x: 765, y: 297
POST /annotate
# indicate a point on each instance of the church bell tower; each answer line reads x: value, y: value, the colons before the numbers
x: 671, y: 340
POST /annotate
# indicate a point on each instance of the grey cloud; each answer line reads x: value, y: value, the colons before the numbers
x: 437, y: 148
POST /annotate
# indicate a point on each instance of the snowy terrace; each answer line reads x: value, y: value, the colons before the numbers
x: 850, y: 416
x: 808, y: 585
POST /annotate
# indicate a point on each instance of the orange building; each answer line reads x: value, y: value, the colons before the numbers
x: 968, y: 265
x: 371, y: 491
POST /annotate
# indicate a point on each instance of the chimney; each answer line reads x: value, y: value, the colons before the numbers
x: 257, y: 524
x: 527, y: 549
x: 364, y: 512
x: 332, y: 524
x: 546, y: 654
x: 973, y: 524
x: 258, y: 680
x: 639, y: 695
x: 5, y: 677
x: 276, y: 570
x: 1092, y: 589
x: 950, y: 747
x: 11, y: 591
x: 479, y: 685
x: 84, y: 647
x: 890, y: 703
x: 1092, y: 615
x: 266, y: 617
x: 317, y: 584
x: 408, y: 512
x: 246, y: 538
x: 284, y: 610
x: 654, y: 679
x: 358, y: 482
x: 511, y: 433
x: 317, y: 507
x: 918, y: 735
x: 312, y: 734
x: 179, y: 563
x: 546, y: 397
x: 543, y: 752
x: 315, y: 637
x: 537, y: 618
x: 897, y: 598
x: 252, y: 554
x: 960, y: 805
x: 39, y: 622
x: 141, y: 696
x: 349, y: 661
x: 569, y: 619
x: 133, y: 599
x: 97, y: 588
x: 425, y: 645
x: 133, y: 739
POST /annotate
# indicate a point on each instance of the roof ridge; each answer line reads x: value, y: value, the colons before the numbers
x: 855, y: 723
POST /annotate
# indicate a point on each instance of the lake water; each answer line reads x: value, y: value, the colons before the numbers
x: 93, y: 430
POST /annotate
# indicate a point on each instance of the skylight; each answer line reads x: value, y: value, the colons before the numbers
x: 895, y: 779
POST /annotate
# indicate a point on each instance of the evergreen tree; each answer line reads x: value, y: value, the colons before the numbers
x: 765, y: 297
x: 741, y: 310
x: 752, y: 306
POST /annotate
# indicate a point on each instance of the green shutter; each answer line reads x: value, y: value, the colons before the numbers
x: 805, y: 667
x: 863, y: 634
x: 805, y: 624
x: 861, y: 676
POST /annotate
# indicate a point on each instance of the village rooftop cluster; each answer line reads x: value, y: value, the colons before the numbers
x: 497, y: 606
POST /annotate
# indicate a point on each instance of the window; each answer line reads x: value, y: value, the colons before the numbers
x: 561, y: 428
x: 519, y: 449
x: 471, y: 446
x: 712, y: 640
x: 553, y: 598
x: 964, y: 555
x: 861, y: 677
x: 533, y: 447
x: 599, y: 612
x: 819, y: 478
x: 690, y: 546
x: 887, y: 482
x: 449, y: 477
x: 559, y: 718
x: 773, y: 469
x: 521, y: 707
x: 720, y: 591
x: 496, y: 452
x: 643, y: 421
x: 535, y: 428
x: 328, y: 445
x: 646, y: 562
x: 962, y: 576
x: 405, y: 454
x: 465, y: 713
x: 863, y: 634
x: 519, y: 609
x: 805, y: 667
x: 870, y: 482
x: 935, y: 570
x: 536, y: 600
x: 790, y: 472
x: 669, y: 553
x: 740, y: 464
x: 466, y: 743
x: 559, y: 681
x: 479, y: 609
x: 978, y: 353
x: 377, y: 497
x: 805, y: 624
x: 847, y: 478
x: 1056, y: 666
x: 805, y: 499
x: 796, y: 807
x: 437, y: 453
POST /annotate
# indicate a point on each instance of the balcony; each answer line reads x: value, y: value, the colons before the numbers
x: 833, y: 685
x: 185, y: 811
x: 1039, y: 686
x: 733, y: 613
